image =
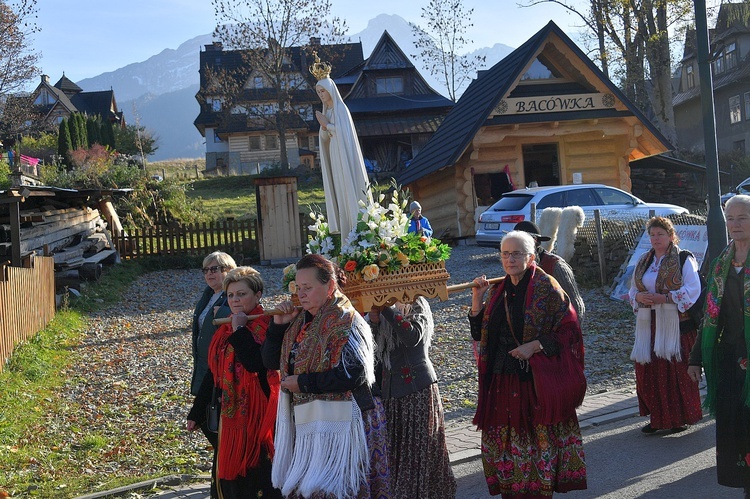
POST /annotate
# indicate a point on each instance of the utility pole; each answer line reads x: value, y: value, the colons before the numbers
x: 715, y: 222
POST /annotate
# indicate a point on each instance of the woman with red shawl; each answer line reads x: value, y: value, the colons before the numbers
x: 530, y: 356
x: 249, y: 393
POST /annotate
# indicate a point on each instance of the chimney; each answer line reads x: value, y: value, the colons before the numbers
x: 215, y: 46
x: 315, y: 41
x: 45, y: 79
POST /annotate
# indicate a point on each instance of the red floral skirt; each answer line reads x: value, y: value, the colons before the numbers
x: 521, y: 459
x: 665, y: 391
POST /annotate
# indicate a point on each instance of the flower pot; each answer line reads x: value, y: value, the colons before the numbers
x: 404, y: 285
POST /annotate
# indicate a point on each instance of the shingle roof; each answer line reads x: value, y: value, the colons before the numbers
x: 67, y: 86
x: 483, y: 94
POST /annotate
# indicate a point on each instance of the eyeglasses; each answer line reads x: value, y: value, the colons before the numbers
x: 213, y: 270
x: 514, y: 255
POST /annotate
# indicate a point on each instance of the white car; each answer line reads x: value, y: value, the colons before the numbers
x: 515, y: 206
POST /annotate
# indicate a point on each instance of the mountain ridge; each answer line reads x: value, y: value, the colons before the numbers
x: 159, y: 93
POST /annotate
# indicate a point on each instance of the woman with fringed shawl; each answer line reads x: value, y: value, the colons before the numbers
x: 330, y: 432
x: 530, y: 356
x: 249, y: 393
x: 661, y: 292
x: 418, y: 459
x: 722, y: 349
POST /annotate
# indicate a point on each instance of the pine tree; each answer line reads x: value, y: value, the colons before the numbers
x: 108, y: 135
x: 64, y: 146
x: 93, y: 131
x: 74, y: 135
x: 83, y: 140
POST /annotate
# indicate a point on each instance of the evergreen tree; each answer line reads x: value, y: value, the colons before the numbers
x: 74, y: 135
x: 64, y: 145
x: 108, y: 135
x: 93, y: 131
x: 83, y: 140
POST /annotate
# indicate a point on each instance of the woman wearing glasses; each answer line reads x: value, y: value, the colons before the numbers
x: 530, y: 359
x: 211, y: 305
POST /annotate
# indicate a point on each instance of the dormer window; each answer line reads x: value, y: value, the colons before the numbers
x: 389, y: 85
x: 690, y: 76
x: 258, y: 82
x: 719, y: 64
x: 730, y: 56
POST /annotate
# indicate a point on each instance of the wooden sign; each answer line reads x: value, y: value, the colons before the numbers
x: 554, y: 104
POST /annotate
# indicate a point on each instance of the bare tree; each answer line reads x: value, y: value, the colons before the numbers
x: 634, y: 43
x: 17, y: 60
x: 265, y: 32
x: 441, y: 41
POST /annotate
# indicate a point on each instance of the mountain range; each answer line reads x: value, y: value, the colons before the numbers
x: 159, y: 93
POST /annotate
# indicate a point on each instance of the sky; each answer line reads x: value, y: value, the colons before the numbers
x: 85, y: 38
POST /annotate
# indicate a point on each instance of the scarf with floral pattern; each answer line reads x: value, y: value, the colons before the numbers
x: 720, y: 268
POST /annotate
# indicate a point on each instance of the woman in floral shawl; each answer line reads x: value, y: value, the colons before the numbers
x: 722, y: 349
x: 249, y: 393
x: 331, y: 433
x: 665, y: 285
x: 530, y: 356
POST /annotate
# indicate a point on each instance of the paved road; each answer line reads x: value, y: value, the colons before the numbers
x: 624, y: 463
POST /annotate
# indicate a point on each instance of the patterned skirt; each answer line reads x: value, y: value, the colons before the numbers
x: 522, y: 459
x: 665, y: 391
x: 417, y: 453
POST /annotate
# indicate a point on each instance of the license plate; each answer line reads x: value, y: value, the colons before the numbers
x: 491, y: 226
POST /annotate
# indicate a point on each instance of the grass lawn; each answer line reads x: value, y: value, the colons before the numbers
x: 234, y: 197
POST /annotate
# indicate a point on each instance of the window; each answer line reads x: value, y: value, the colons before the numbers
x: 719, y: 64
x: 580, y: 197
x: 217, y: 139
x: 730, y: 56
x: 554, y: 200
x: 215, y: 105
x: 690, y: 76
x: 390, y: 85
x: 735, y: 112
x: 258, y: 82
x: 747, y: 105
x: 254, y: 143
x: 272, y: 142
x: 612, y: 197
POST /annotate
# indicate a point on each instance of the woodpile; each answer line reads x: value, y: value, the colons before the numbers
x: 75, y: 236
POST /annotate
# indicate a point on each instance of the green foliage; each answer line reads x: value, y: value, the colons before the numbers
x: 134, y: 140
x: 43, y: 146
x: 64, y: 142
x: 75, y: 137
x: 93, y: 131
x: 4, y: 174
x: 83, y: 139
x: 108, y: 134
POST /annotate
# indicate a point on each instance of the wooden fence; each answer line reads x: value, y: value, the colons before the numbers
x: 27, y: 302
x: 232, y: 236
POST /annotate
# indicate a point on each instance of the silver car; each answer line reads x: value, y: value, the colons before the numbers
x: 515, y: 206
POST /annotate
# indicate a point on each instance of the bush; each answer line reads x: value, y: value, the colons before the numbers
x: 43, y: 147
x: 4, y: 174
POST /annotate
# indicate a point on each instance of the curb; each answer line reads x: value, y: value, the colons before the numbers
x: 146, y: 485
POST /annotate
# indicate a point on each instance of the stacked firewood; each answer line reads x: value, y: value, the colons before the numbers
x: 75, y: 236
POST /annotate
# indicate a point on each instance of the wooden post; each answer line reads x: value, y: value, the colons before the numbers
x: 600, y: 247
x: 15, y: 233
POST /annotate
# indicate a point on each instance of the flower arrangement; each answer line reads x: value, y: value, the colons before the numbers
x: 380, y: 241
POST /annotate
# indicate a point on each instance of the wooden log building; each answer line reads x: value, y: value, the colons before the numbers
x: 544, y: 114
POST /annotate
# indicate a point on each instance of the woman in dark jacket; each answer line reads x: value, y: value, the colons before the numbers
x: 417, y: 452
x: 248, y: 391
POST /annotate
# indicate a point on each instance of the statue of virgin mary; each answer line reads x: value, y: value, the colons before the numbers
x: 344, y: 175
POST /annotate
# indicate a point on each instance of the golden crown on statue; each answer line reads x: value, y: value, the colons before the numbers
x: 319, y: 69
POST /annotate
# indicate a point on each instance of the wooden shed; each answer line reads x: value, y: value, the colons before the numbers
x: 544, y: 114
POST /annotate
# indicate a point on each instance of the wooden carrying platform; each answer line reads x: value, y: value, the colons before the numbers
x: 404, y: 285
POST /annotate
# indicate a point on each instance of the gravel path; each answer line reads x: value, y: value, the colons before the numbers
x: 133, y: 380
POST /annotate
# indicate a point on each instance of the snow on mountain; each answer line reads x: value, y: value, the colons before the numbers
x: 160, y: 91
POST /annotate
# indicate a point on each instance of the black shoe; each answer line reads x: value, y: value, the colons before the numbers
x: 649, y: 429
x: 678, y: 429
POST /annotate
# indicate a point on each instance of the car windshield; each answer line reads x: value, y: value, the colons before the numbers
x: 512, y: 202
x: 744, y: 188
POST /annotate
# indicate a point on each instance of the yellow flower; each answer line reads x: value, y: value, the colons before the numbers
x: 293, y: 287
x: 370, y: 272
x: 402, y: 258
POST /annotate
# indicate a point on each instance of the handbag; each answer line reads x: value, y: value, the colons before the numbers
x: 212, y: 413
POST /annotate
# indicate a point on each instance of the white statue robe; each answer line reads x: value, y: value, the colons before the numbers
x: 344, y: 175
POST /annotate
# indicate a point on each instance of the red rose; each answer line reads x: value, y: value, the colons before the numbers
x: 743, y: 364
x: 350, y: 266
